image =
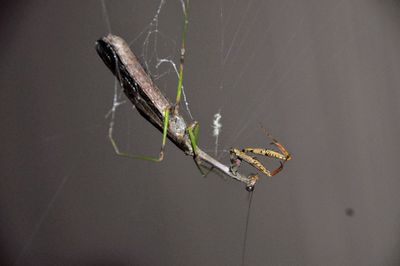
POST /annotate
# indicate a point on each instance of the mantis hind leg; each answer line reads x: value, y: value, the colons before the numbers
x: 193, y: 131
x: 140, y: 157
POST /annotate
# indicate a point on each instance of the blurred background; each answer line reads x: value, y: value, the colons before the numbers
x: 322, y: 76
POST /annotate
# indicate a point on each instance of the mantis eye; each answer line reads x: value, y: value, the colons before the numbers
x: 250, y: 188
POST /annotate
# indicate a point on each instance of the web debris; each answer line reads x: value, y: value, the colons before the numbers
x: 216, y: 126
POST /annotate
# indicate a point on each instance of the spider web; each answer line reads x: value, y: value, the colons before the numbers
x: 65, y: 192
x: 159, y: 50
x: 228, y: 75
x: 235, y: 51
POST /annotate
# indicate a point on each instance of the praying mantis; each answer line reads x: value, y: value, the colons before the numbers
x: 159, y: 111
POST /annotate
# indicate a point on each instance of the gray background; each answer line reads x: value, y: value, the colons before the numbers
x: 322, y: 76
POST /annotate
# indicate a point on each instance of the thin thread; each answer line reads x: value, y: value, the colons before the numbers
x: 42, y: 218
x: 246, y: 229
x: 105, y: 15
